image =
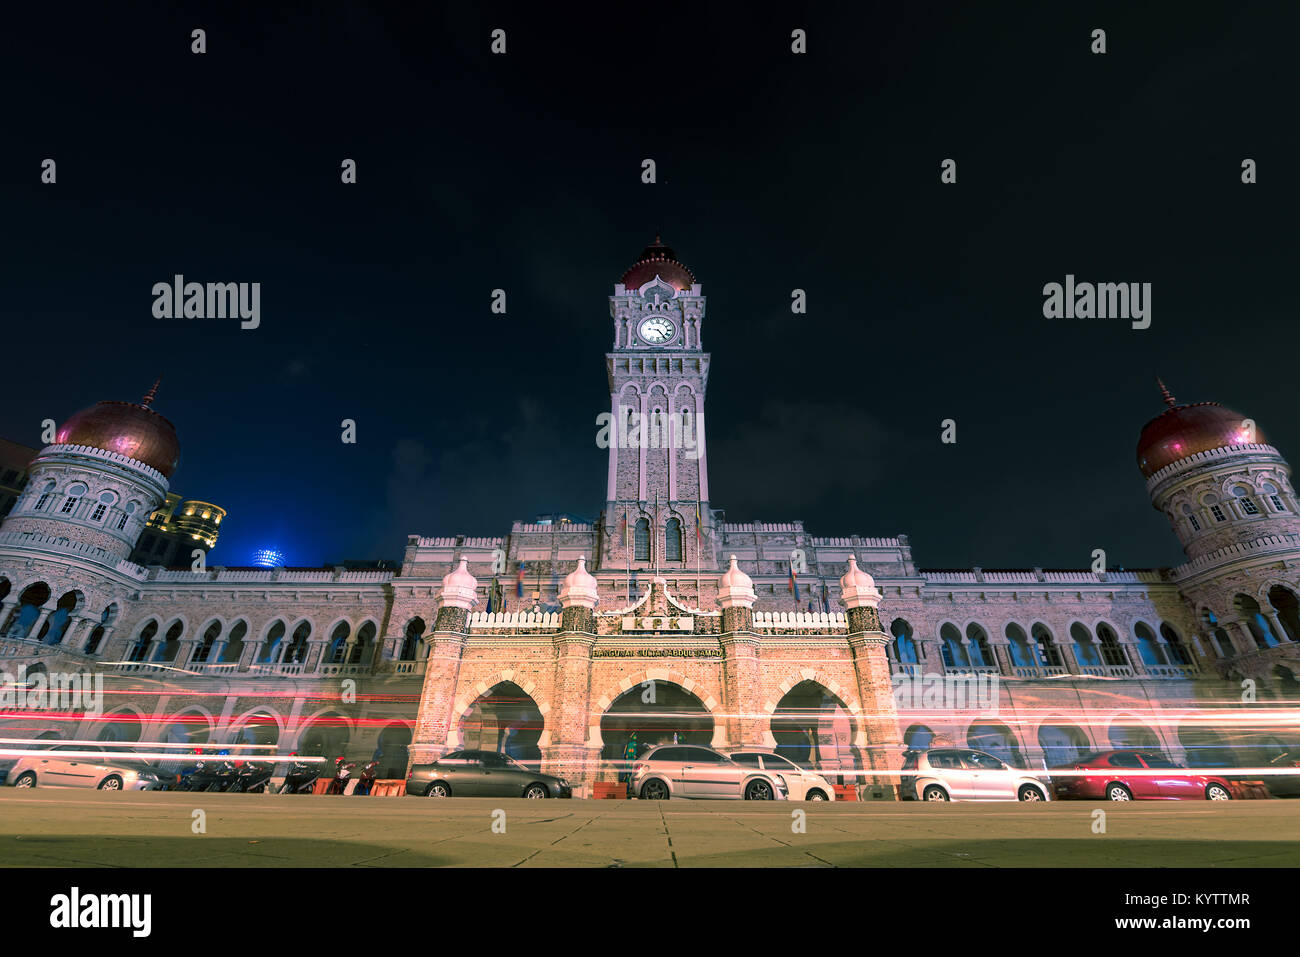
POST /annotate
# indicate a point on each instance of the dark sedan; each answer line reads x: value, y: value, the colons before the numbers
x: 483, y: 774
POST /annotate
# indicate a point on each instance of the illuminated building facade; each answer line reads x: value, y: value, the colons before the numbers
x: 641, y: 622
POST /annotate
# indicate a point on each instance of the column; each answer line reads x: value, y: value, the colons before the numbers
x: 442, y: 671
x: 742, y: 687
x: 1134, y: 654
x: 34, y: 631
x: 1002, y: 654
x: 565, y: 747
x: 867, y: 640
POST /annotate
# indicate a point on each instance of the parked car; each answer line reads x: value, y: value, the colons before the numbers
x: 802, y: 784
x: 483, y: 774
x: 960, y: 774
x: 1284, y: 785
x: 1135, y: 776
x: 83, y: 766
x: 694, y: 771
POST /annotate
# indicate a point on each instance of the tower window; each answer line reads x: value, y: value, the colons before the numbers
x: 98, y: 514
x: 1277, y: 503
x: 121, y: 522
x: 1248, y: 506
x: 641, y: 541
x: 1217, y: 513
x: 68, y: 505
x: 40, y: 502
x: 673, y: 540
x: 1196, y: 526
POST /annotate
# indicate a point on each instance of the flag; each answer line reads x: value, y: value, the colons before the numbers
x: 494, y: 596
x: 625, y: 540
x: 699, y: 529
x: 793, y: 587
x: 826, y: 599
x: 519, y: 582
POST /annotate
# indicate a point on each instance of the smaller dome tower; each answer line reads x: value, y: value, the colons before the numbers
x: 96, y: 485
x: 1216, y: 478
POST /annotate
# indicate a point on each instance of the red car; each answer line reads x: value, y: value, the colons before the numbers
x: 1135, y: 776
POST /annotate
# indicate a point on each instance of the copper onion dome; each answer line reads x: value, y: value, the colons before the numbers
x: 658, y: 260
x: 1184, y: 430
x: 128, y: 428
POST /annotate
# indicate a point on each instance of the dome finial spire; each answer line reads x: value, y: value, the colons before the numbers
x: 1164, y: 393
x: 153, y: 391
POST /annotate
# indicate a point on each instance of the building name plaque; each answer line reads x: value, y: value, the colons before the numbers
x: 658, y: 623
x: 656, y: 653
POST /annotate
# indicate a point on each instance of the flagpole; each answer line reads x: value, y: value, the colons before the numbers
x: 627, y: 555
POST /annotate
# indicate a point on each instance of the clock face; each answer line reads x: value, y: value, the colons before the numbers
x: 656, y: 330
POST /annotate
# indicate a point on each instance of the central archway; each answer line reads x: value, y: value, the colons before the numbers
x: 651, y: 713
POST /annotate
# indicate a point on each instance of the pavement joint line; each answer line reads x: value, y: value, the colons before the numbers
x: 668, y: 834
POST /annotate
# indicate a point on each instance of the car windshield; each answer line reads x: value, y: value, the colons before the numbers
x: 776, y: 760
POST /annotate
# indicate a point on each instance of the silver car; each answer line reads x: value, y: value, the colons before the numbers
x: 694, y: 771
x: 961, y: 774
x: 83, y: 766
x: 802, y: 784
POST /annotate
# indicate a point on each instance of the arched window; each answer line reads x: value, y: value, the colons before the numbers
x: 1049, y: 654
x: 1022, y: 656
x: 979, y: 646
x: 271, y: 647
x: 338, y: 643
x: 954, y: 655
x: 1177, y: 650
x: 234, y: 649
x: 1288, y: 610
x: 296, y: 653
x: 204, y: 649
x: 673, y: 540
x: 363, y: 648
x: 1112, y: 652
x: 1247, y: 504
x: 411, y: 640
x: 904, y: 645
x: 1260, y: 628
x: 141, y: 647
x: 641, y: 540
x: 1148, y: 647
x: 1084, y: 646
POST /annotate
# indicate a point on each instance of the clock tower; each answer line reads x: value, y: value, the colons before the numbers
x: 658, y: 371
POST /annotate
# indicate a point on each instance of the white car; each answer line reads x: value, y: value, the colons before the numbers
x: 960, y: 774
x: 804, y: 785
x: 83, y: 766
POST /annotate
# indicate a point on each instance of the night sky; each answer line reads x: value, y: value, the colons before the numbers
x: 776, y: 171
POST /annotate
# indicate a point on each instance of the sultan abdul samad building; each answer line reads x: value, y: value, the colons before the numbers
x: 644, y: 623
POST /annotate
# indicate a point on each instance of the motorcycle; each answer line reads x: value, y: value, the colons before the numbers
x: 300, y: 779
x: 203, y: 776
x: 342, y: 773
x: 366, y: 779
x: 251, y: 778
